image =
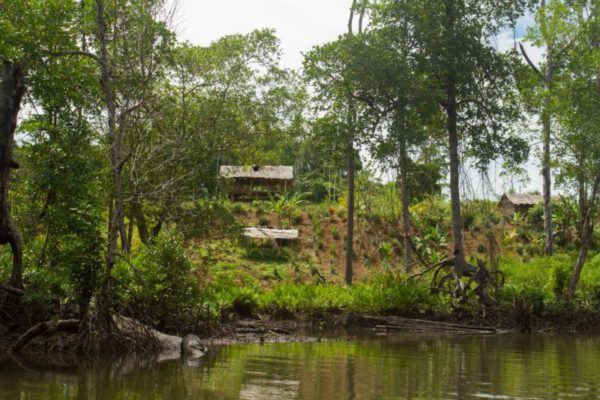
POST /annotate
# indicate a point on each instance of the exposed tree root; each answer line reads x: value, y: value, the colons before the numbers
x: 126, y: 336
x: 12, y: 290
x: 46, y: 329
x: 448, y: 277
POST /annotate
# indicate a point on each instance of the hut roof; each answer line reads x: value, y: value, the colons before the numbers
x: 270, y: 233
x: 523, y: 199
x: 275, y: 172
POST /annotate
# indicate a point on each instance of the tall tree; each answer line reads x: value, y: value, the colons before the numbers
x: 575, y: 103
x: 329, y: 68
x: 389, y: 82
x: 22, y: 50
x: 471, y: 82
x: 130, y: 45
x: 547, y: 33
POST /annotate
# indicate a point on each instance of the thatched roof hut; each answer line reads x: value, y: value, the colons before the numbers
x: 518, y: 202
x: 257, y: 182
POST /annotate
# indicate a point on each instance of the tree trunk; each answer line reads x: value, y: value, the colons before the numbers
x: 405, y: 206
x: 140, y: 219
x: 12, y: 90
x: 546, y: 169
x: 104, y: 314
x: 457, y: 226
x: 586, y: 237
x: 350, y: 225
x: 451, y: 105
x: 583, y: 252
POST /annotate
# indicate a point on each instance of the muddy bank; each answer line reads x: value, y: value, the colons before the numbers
x: 315, y: 327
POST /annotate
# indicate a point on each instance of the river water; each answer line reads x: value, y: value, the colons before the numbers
x: 392, y: 367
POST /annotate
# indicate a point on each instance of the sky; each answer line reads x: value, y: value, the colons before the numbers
x: 302, y: 24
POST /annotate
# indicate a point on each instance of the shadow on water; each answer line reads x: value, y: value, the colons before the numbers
x: 397, y: 366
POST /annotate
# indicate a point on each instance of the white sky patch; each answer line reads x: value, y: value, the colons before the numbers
x: 299, y: 24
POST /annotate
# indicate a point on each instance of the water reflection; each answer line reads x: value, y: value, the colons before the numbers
x: 397, y: 367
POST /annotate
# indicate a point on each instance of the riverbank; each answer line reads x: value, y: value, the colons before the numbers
x: 317, y: 327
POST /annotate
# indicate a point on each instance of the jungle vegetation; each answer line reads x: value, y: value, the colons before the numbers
x: 112, y: 131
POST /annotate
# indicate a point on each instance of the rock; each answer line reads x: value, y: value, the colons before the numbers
x: 192, y: 347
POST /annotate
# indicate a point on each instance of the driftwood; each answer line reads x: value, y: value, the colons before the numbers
x: 400, y: 324
x: 172, y: 347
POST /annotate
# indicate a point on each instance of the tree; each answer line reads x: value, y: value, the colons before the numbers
x: 575, y: 103
x: 551, y: 33
x: 22, y: 50
x: 329, y: 68
x: 130, y: 48
x: 470, y: 81
x: 388, y: 81
x: 228, y: 102
x: 61, y: 178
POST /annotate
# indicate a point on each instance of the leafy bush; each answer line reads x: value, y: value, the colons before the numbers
x: 535, y: 216
x: 158, y: 283
x: 208, y: 217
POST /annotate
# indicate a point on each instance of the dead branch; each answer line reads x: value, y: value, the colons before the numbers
x: 443, y: 263
x: 47, y: 329
x: 531, y: 64
x: 12, y: 290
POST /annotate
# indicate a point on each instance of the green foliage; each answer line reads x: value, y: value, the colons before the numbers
x: 544, y: 278
x: 535, y: 216
x: 266, y: 252
x: 287, y: 207
x: 386, y: 250
x: 208, y: 217
x: 335, y: 233
x: 386, y: 294
x: 433, y: 211
x: 158, y: 284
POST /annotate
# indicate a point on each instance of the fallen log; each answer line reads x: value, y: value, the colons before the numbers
x: 411, y: 324
x: 171, y: 346
x: 12, y: 290
x: 47, y: 329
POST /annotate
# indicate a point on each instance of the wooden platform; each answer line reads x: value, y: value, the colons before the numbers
x: 256, y: 232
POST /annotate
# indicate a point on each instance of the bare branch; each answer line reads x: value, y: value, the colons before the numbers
x: 351, y: 19
x: 531, y: 64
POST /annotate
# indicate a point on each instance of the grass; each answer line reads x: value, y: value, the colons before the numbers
x: 540, y: 279
x: 388, y: 293
x: 242, y: 275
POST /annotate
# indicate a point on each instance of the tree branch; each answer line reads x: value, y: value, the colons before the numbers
x: 73, y: 53
x: 531, y: 64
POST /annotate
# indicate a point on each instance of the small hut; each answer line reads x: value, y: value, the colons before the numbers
x: 510, y: 203
x: 257, y: 182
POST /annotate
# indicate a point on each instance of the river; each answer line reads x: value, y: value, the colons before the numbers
x: 392, y: 367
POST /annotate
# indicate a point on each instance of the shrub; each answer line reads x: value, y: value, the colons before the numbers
x: 158, y: 284
x: 297, y: 217
x: 560, y: 275
x: 206, y: 217
x: 385, y: 250
x: 535, y: 217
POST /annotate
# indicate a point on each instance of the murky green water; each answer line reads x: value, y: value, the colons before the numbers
x: 508, y: 366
